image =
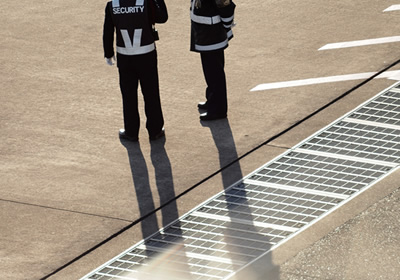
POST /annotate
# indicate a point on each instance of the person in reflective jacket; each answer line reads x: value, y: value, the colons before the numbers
x: 211, y: 30
x: 133, y: 22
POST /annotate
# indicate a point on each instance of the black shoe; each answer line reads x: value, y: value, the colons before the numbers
x: 202, y: 106
x: 208, y: 117
x: 158, y: 135
x: 123, y: 135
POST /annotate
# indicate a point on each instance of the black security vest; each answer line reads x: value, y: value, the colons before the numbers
x: 133, y: 27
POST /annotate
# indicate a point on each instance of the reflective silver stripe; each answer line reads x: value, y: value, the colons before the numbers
x: 205, y: 20
x: 133, y: 47
x: 202, y: 19
x: 136, y: 50
x: 115, y: 3
x: 227, y: 19
x: 211, y: 47
x: 229, y: 34
x: 137, y: 38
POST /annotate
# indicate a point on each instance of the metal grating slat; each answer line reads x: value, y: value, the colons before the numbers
x: 385, y: 108
x: 358, y: 140
x: 232, y: 229
x: 320, y: 173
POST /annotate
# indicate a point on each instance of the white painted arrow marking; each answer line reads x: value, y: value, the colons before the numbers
x: 359, y: 43
x: 393, y: 8
x: 393, y: 75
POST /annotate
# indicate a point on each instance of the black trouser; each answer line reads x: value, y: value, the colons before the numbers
x: 214, y: 73
x: 142, y: 69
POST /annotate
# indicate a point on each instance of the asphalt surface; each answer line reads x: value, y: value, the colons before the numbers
x: 68, y: 184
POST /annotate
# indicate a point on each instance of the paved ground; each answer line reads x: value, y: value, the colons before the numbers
x: 363, y: 248
x: 67, y: 182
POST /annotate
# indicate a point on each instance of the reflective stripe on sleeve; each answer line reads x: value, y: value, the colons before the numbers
x: 224, y: 19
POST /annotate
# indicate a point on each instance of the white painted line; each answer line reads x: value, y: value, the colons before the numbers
x: 394, y: 75
x: 393, y: 8
x: 367, y: 42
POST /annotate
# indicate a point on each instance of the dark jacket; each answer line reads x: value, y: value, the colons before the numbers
x: 210, y: 25
x: 132, y: 21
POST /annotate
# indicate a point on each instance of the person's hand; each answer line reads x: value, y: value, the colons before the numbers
x: 110, y: 61
x: 222, y: 3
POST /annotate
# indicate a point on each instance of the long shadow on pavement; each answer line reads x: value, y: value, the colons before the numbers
x: 166, y: 193
x: 141, y: 181
x: 244, y: 240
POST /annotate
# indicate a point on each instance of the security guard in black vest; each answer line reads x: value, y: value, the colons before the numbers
x: 211, y: 29
x: 133, y: 21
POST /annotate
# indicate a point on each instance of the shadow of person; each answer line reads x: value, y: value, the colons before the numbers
x: 141, y: 181
x: 144, y: 196
x: 244, y: 239
x: 169, y: 268
x: 164, y: 181
x: 223, y: 139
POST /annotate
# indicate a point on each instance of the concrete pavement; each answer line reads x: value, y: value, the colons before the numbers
x: 67, y: 183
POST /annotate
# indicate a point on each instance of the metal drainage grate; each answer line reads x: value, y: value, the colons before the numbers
x: 384, y: 109
x: 237, y: 226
